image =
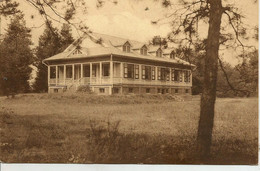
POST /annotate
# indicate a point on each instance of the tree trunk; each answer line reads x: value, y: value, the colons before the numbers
x: 210, y: 80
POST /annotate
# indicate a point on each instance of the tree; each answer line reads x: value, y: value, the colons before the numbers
x: 49, y: 45
x: 15, y: 57
x: 66, y: 36
x: 8, y: 7
x: 186, y: 25
x: 248, y: 73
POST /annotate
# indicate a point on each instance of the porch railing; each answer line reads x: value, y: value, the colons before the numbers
x: 115, y: 80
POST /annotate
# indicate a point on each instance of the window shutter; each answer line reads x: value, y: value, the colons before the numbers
x: 159, y: 73
x: 143, y: 72
x: 125, y: 70
x: 153, y: 73
x: 180, y: 75
x: 136, y: 71
x: 168, y: 74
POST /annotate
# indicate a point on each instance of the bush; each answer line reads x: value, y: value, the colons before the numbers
x: 84, y: 89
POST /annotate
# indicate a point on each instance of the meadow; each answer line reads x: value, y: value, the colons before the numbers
x: 155, y: 129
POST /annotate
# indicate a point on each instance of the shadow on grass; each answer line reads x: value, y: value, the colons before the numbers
x: 50, y: 139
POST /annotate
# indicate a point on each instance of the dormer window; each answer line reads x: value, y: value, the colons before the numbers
x: 126, y: 47
x: 159, y: 53
x: 143, y: 51
x: 172, y: 55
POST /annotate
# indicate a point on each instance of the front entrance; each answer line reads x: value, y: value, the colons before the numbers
x: 77, y: 72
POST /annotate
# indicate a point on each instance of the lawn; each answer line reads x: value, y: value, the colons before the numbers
x: 63, y: 128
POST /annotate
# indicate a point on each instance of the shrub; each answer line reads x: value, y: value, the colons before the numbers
x: 84, y: 89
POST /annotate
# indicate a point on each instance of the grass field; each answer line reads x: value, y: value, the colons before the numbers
x: 62, y: 128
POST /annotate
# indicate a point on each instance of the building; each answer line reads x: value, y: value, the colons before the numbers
x: 112, y: 65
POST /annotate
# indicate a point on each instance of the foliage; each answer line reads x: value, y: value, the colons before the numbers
x: 66, y: 36
x: 15, y: 57
x: 84, y: 89
x: 8, y: 7
x: 49, y: 45
x: 248, y: 73
x: 51, y: 42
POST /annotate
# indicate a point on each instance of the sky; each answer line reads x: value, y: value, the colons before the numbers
x: 129, y: 19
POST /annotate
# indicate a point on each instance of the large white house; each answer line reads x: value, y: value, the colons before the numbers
x: 112, y: 65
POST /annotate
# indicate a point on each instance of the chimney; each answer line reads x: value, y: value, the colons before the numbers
x: 157, y: 40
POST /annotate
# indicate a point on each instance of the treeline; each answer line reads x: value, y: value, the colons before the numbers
x: 240, y: 80
x: 17, y: 58
x: 17, y: 55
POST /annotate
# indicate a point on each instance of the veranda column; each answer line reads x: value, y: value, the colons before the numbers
x: 81, y: 73
x: 90, y: 72
x: 111, y: 70
x: 49, y: 75
x: 121, y: 72
x: 111, y: 74
x: 190, y: 77
x: 121, y: 69
x: 56, y: 74
x: 100, y: 72
x: 183, y: 72
x: 170, y: 75
x: 64, y: 72
x: 73, y: 72
x: 156, y: 73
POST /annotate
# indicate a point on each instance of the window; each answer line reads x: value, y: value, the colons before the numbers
x: 60, y: 72
x: 153, y: 73
x: 186, y: 90
x: 53, y: 72
x: 69, y: 71
x: 55, y: 90
x: 172, y: 74
x: 176, y: 90
x: 130, y: 90
x: 143, y: 51
x: 136, y: 71
x: 115, y: 90
x: 163, y: 91
x: 166, y: 90
x: 158, y: 90
x: 176, y: 75
x: 94, y: 70
x: 163, y: 74
x: 126, y: 47
x: 172, y: 55
x: 159, y: 53
x: 180, y: 75
x: 101, y: 90
x: 106, y: 69
x: 146, y: 72
x: 148, y: 90
x: 128, y: 70
x: 167, y: 74
x: 86, y: 70
x: 187, y: 76
x: 159, y: 73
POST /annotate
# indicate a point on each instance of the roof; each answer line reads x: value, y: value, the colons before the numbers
x: 95, y: 44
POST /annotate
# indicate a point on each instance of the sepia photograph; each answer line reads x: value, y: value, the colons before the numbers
x: 161, y: 82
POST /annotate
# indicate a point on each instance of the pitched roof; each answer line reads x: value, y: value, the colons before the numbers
x: 97, y: 44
